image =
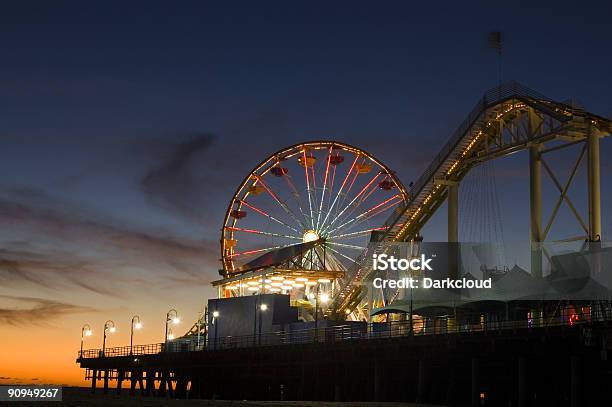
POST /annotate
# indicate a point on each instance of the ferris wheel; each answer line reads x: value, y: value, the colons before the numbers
x: 324, y: 196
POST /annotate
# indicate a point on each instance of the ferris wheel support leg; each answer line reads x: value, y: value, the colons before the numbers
x: 535, y: 206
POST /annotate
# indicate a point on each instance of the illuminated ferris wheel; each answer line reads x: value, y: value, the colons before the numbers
x: 319, y: 201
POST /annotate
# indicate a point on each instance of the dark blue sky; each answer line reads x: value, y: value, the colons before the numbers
x: 97, y: 102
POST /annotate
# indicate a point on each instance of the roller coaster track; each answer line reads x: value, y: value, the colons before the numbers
x: 507, y: 119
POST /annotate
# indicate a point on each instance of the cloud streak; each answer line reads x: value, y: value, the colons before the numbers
x: 61, y: 245
x: 173, y: 184
x: 37, y: 311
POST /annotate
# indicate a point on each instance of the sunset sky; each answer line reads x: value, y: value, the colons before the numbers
x: 125, y: 128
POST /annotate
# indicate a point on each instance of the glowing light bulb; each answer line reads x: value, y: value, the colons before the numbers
x: 310, y: 236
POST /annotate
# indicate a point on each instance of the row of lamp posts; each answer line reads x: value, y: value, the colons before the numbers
x: 172, y: 316
x: 109, y: 327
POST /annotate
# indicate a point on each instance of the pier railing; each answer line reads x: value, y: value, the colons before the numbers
x: 445, y: 325
x: 148, y: 349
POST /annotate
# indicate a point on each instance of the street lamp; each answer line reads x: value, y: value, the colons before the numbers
x: 109, y: 326
x: 261, y: 308
x: 136, y: 324
x: 85, y: 331
x: 323, y: 298
x: 171, y: 316
x: 215, y: 316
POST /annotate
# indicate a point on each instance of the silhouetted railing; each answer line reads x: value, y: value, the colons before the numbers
x: 148, y: 349
x: 444, y: 325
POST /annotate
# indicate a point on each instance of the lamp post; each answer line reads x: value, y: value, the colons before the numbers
x: 135, y: 324
x: 215, y: 317
x: 324, y: 298
x: 85, y: 331
x: 259, y: 308
x: 171, y: 316
x: 262, y: 309
x: 109, y: 326
x: 317, y: 308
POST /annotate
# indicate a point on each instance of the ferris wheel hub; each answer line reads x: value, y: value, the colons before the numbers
x: 310, y: 236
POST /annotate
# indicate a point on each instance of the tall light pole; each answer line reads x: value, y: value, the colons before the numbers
x: 259, y: 308
x: 262, y: 309
x: 135, y: 324
x: 171, y: 316
x: 255, y: 320
x: 324, y: 298
x: 109, y: 326
x: 215, y: 317
x: 85, y: 331
x: 317, y: 308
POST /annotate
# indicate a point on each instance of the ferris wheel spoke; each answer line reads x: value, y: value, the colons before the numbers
x: 358, y: 233
x: 348, y: 246
x: 261, y: 212
x: 261, y: 232
x: 305, y: 260
x: 281, y: 203
x: 369, y: 211
x: 342, y: 254
x: 266, y: 249
x: 311, y: 258
x: 362, y: 200
x: 332, y: 262
x: 331, y: 188
x: 369, y: 193
x: 316, y: 256
x: 339, y: 191
x: 314, y: 190
x: 372, y: 215
x: 346, y: 193
x: 308, y: 187
x: 363, y: 190
x: 297, y: 196
x: 324, y: 186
